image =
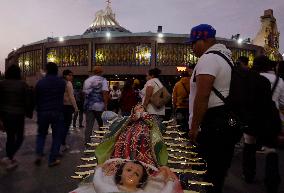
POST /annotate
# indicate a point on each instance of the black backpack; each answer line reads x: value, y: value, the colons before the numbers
x: 248, y: 91
x: 239, y: 94
x: 250, y: 103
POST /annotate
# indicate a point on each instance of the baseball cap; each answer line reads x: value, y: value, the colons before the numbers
x: 201, y: 32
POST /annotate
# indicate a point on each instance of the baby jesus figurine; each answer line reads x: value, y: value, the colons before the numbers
x: 132, y: 176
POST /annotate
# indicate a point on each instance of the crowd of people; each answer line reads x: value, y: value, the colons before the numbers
x: 201, y: 103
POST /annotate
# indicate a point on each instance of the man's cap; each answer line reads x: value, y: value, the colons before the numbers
x: 98, y: 70
x: 201, y: 32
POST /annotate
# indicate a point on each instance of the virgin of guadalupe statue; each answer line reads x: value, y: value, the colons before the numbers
x: 137, y: 137
x: 121, y: 175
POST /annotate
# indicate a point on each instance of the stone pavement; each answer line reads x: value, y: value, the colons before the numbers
x: 28, y: 178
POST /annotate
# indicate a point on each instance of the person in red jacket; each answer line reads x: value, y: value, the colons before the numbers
x: 128, y: 99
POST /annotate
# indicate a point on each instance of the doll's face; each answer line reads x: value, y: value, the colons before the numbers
x: 139, y: 109
x: 131, y: 175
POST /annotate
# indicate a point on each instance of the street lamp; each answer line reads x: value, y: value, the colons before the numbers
x: 160, y: 35
x: 240, y: 40
x: 108, y: 34
x: 61, y: 39
x: 160, y: 31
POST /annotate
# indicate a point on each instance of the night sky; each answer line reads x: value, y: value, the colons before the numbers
x: 27, y: 21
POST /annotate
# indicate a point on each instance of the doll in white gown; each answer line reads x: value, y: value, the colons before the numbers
x: 119, y: 175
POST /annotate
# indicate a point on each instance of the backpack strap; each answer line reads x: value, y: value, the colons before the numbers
x: 218, y: 94
x: 158, y: 85
x: 185, y: 88
x: 274, y: 85
x: 223, y: 56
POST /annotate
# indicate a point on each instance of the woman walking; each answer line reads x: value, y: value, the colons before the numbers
x: 13, y: 107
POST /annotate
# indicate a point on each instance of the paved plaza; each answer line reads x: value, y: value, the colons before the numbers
x: 29, y: 178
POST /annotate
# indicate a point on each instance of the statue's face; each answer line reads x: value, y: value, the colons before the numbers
x: 138, y: 109
x: 131, y: 175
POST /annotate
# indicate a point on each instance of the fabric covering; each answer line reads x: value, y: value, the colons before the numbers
x: 136, y: 140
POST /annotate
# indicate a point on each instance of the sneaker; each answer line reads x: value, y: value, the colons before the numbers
x: 12, y: 165
x: 54, y: 163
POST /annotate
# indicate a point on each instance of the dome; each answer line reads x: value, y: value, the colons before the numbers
x: 105, y: 21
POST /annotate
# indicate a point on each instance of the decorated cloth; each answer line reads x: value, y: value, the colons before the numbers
x: 136, y: 140
x: 103, y: 181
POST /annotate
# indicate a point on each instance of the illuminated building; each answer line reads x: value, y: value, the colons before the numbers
x: 116, y: 49
x: 268, y: 36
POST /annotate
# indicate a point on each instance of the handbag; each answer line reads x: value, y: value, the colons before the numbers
x: 160, y: 98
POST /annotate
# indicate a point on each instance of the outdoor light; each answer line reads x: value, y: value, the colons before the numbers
x: 181, y: 68
x: 240, y: 40
x: 108, y: 34
x: 147, y: 55
x: 160, y: 35
x: 61, y: 39
x: 51, y: 59
x: 14, y: 49
x: 27, y: 63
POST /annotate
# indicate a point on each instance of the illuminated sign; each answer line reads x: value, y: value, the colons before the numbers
x: 181, y: 68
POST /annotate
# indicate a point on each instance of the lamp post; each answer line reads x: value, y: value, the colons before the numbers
x: 239, y: 39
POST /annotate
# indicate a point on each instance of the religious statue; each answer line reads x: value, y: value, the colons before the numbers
x: 137, y: 137
x: 132, y: 158
x: 121, y: 175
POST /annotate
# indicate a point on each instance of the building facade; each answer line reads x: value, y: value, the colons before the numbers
x: 105, y: 43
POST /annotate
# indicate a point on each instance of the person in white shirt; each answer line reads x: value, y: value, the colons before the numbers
x: 152, y: 85
x: 70, y: 106
x: 96, y: 96
x: 207, y: 111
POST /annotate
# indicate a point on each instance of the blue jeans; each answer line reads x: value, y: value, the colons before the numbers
x: 44, y: 119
